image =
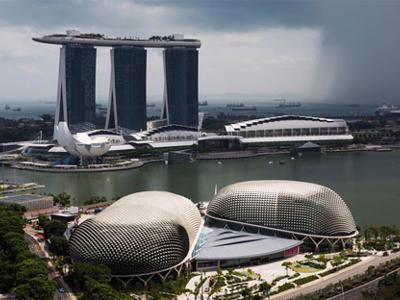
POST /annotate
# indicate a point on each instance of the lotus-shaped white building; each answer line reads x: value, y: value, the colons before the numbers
x: 80, y: 144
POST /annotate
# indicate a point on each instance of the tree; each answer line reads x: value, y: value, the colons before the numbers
x: 14, y: 244
x: 386, y: 232
x: 7, y: 273
x: 37, y: 288
x: 245, y: 292
x: 17, y: 208
x: 83, y: 272
x: 95, y: 199
x: 95, y: 290
x: 10, y: 221
x: 54, y: 227
x: 29, y: 269
x: 287, y: 265
x: 62, y: 199
x: 59, y: 245
x: 265, y: 287
x: 43, y: 220
x: 375, y: 231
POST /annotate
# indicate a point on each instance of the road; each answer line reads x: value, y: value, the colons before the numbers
x: 37, y: 248
x: 355, y: 294
x: 334, y: 278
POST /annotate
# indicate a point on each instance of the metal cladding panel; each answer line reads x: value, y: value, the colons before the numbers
x: 288, y: 205
x: 139, y: 234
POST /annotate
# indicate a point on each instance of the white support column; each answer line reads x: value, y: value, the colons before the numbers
x: 61, y: 90
x: 164, y: 108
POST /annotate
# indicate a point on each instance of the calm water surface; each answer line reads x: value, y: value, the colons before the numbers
x: 368, y: 182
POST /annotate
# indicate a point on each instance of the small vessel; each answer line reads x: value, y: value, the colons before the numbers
x: 7, y: 107
x: 203, y: 103
x: 384, y: 149
x: 17, y: 109
x: 285, y: 104
x: 282, y: 162
x: 231, y: 105
x: 219, y: 162
x: 387, y: 110
x: 270, y: 162
x: 151, y: 105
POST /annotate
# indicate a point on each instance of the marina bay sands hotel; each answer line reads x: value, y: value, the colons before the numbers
x: 76, y: 102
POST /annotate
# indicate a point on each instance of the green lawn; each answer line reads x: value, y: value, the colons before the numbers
x: 303, y: 268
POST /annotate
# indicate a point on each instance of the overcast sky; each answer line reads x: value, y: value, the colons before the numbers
x: 333, y: 51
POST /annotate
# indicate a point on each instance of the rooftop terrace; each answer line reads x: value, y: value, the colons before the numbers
x: 95, y: 39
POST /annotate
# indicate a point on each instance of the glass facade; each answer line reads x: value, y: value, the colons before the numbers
x: 130, y: 87
x: 80, y: 76
x: 181, y: 92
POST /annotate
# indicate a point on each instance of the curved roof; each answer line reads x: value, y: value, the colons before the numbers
x: 164, y: 129
x: 140, y: 234
x: 225, y: 244
x: 285, y: 122
x: 289, y: 206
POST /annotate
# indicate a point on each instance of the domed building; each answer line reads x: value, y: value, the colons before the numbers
x: 141, y: 234
x: 291, y: 209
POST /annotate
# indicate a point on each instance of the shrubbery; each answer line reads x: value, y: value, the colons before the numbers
x: 20, y: 271
x: 354, y: 281
x: 305, y: 280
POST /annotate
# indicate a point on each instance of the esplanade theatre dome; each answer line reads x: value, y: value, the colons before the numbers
x: 142, y: 233
x: 289, y: 207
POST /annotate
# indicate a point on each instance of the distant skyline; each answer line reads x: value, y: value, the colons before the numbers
x: 337, y: 52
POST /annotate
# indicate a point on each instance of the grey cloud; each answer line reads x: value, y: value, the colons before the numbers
x: 361, y: 39
x: 206, y: 15
x: 362, y: 42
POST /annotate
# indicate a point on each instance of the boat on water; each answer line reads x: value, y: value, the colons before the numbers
x: 7, y: 107
x: 151, y: 105
x: 240, y: 107
x: 386, y: 110
x: 17, y: 109
x: 283, y: 103
x: 384, y: 149
x: 203, y: 103
x: 245, y: 108
x: 232, y: 105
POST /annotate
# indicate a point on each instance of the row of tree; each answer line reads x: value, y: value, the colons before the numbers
x: 21, y: 272
x: 54, y: 232
x: 95, y: 282
x: 377, y: 232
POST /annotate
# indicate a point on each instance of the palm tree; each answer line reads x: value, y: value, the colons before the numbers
x: 287, y: 265
x: 265, y: 287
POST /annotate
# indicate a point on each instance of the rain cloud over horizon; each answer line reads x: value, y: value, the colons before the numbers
x: 339, y: 52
